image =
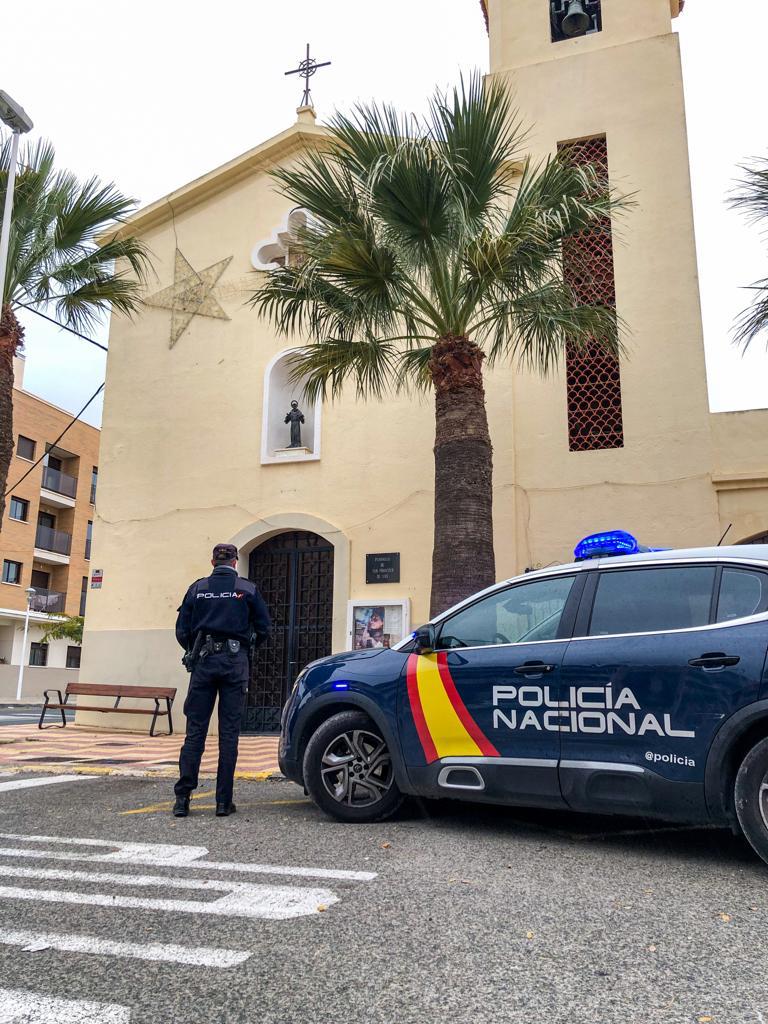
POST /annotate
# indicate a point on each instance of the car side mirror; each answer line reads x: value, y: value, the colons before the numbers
x: 425, y: 637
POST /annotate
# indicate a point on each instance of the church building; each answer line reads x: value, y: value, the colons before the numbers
x: 333, y: 513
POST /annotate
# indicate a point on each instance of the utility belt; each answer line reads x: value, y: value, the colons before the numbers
x: 211, y: 646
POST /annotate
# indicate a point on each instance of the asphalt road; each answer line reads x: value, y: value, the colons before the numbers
x: 459, y: 914
x: 23, y: 714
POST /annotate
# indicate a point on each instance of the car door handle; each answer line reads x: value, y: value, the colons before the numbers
x: 533, y: 668
x: 715, y: 660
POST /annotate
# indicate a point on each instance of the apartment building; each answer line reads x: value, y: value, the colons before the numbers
x: 45, y: 542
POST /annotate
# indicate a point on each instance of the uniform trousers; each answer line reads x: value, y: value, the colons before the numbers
x: 225, y: 675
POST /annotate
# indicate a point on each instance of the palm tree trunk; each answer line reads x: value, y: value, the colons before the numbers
x: 11, y: 334
x: 462, y: 559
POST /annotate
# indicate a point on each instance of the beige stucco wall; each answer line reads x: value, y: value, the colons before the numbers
x: 624, y: 82
x: 180, y: 459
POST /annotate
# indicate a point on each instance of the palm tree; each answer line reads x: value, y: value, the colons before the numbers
x: 57, y: 257
x: 752, y: 197
x: 432, y: 246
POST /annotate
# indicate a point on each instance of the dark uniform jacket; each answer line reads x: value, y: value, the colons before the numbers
x: 224, y: 605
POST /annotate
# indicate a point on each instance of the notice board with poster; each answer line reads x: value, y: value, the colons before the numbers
x: 377, y: 625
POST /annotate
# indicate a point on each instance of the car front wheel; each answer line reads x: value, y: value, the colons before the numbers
x: 348, y: 770
x: 751, y: 798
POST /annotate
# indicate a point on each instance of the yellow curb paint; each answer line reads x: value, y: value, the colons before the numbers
x: 165, y: 805
x: 130, y: 771
x: 168, y: 805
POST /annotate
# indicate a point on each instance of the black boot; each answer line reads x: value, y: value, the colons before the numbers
x: 224, y: 810
x: 181, y: 807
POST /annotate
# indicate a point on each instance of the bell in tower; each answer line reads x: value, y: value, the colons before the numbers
x: 572, y: 18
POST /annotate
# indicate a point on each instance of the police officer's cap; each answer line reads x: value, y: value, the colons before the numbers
x: 224, y: 553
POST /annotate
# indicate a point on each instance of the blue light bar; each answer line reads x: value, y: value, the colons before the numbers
x: 612, y: 542
x: 341, y: 686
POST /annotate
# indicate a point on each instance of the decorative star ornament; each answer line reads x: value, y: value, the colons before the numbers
x: 191, y: 294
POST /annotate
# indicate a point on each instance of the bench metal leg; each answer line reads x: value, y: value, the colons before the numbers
x: 42, y: 716
x: 155, y: 717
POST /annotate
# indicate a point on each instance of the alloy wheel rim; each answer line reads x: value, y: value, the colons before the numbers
x: 356, y: 768
x: 762, y: 800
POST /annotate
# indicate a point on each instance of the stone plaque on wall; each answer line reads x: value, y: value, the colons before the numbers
x: 383, y: 568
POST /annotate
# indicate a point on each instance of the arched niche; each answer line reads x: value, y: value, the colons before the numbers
x: 275, y: 251
x: 279, y: 392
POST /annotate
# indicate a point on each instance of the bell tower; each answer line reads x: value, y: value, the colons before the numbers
x: 600, y: 81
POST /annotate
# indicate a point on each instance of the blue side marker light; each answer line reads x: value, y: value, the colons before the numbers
x: 341, y: 686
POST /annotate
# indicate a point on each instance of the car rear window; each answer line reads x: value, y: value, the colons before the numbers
x: 652, y: 600
x: 743, y: 592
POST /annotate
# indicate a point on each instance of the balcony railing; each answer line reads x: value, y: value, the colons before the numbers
x: 61, y: 483
x: 53, y: 540
x: 50, y: 601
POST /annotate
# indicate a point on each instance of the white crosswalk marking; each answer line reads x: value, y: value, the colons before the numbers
x: 200, y: 956
x: 241, y: 899
x: 18, y: 1006
x: 165, y: 855
x: 46, y: 780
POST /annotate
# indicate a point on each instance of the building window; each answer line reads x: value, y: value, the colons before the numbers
x: 94, y: 481
x: 73, y: 657
x: 571, y: 18
x: 593, y: 376
x: 11, y: 571
x: 83, y: 594
x: 88, y: 536
x: 19, y: 509
x: 25, y: 449
x: 38, y: 654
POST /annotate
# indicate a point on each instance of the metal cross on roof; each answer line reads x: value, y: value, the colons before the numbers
x: 306, y: 69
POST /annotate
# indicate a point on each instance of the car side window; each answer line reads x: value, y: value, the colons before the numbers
x: 649, y: 600
x: 527, y: 612
x: 743, y: 592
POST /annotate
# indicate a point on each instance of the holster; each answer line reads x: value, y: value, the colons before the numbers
x: 191, y: 657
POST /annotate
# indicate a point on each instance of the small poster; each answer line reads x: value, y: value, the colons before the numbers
x: 377, y: 625
x: 97, y: 578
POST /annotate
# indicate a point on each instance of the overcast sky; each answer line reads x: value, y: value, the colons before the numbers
x: 153, y: 94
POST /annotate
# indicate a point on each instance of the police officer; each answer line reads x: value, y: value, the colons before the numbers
x: 217, y: 619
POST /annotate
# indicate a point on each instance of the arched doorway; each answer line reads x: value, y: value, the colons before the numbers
x: 294, y: 573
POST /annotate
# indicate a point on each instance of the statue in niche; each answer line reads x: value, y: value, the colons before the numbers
x: 295, y: 417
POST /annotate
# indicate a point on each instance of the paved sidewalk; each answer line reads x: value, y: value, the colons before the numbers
x: 77, y: 748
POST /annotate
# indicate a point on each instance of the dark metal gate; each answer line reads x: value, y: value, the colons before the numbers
x: 294, y: 573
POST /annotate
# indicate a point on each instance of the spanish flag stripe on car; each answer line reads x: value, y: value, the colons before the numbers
x: 443, y: 723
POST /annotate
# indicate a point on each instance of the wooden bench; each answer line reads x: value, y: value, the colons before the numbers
x: 156, y: 693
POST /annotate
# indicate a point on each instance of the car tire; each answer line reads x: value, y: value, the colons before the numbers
x: 751, y: 798
x: 348, y: 770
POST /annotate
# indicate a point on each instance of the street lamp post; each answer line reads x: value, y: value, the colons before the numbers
x: 17, y: 119
x: 30, y: 592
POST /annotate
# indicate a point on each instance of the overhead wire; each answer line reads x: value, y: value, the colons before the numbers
x: 54, y: 443
x: 74, y: 419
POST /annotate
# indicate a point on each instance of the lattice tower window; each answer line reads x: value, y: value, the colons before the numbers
x: 593, y: 376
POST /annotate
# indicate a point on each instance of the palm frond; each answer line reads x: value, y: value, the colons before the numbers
x: 751, y: 193
x: 325, y: 368
x: 753, y: 321
x: 54, y: 254
x: 419, y: 228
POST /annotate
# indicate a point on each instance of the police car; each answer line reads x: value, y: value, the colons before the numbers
x: 632, y: 681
